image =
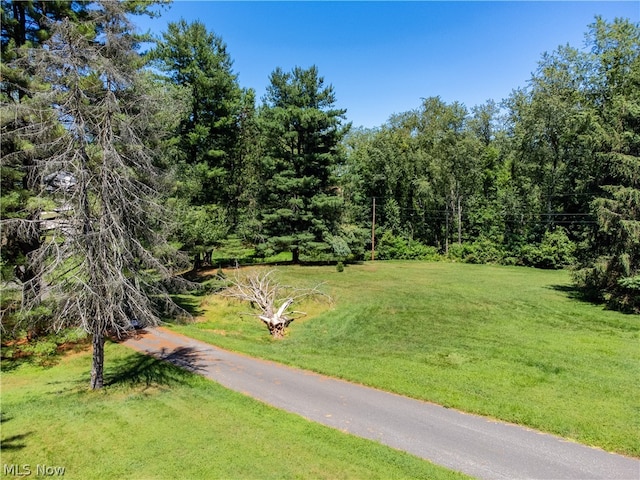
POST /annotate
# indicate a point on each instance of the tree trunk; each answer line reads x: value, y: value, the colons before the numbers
x: 277, y: 330
x: 20, y: 35
x: 446, y: 230
x: 459, y: 220
x: 97, y: 368
x: 296, y: 255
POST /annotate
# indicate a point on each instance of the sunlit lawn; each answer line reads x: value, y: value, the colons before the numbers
x: 156, y: 421
x: 507, y: 342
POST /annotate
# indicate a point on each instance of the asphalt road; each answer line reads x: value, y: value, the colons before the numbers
x: 477, y: 446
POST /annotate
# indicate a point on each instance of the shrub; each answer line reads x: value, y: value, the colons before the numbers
x: 340, y: 267
x: 457, y: 252
x: 555, y: 251
x: 41, y: 349
x: 339, y: 246
x: 44, y: 350
x: 392, y: 247
x: 480, y: 251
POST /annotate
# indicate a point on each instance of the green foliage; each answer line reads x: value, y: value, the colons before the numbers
x: 339, y: 246
x: 483, y: 250
x: 198, y: 59
x: 394, y: 247
x: 555, y: 251
x: 232, y: 249
x: 42, y: 350
x: 299, y: 207
x: 490, y: 188
x: 215, y: 137
x: 6, y: 270
x: 101, y: 260
x: 355, y: 238
x: 203, y: 226
x: 340, y: 267
x: 611, y: 255
x: 628, y: 294
x: 632, y: 283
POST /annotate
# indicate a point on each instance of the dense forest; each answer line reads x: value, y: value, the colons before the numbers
x: 91, y: 127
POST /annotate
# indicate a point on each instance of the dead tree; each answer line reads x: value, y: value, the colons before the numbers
x: 271, y: 298
x: 105, y: 263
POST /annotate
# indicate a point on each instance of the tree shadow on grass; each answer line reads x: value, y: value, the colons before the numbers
x: 12, y: 442
x: 576, y: 293
x: 571, y: 291
x: 169, y: 368
x: 191, y: 303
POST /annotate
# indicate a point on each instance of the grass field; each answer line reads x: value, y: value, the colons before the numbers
x: 156, y: 421
x: 508, y: 342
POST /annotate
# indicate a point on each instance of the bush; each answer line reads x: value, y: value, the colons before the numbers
x: 457, y: 252
x: 482, y: 250
x: 340, y: 267
x: 596, y: 284
x: 203, y: 226
x: 391, y: 247
x: 43, y: 350
x: 339, y: 246
x: 356, y: 239
x: 554, y: 252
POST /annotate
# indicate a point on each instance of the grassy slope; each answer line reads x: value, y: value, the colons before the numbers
x: 157, y: 421
x: 506, y: 342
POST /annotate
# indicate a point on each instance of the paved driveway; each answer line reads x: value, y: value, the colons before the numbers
x: 471, y: 444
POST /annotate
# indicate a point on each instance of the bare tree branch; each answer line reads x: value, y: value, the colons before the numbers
x: 264, y: 292
x: 100, y: 264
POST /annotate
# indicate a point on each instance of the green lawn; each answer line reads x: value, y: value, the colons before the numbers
x: 156, y: 421
x: 508, y: 342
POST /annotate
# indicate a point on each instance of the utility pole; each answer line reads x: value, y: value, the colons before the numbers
x: 373, y: 231
x: 446, y: 235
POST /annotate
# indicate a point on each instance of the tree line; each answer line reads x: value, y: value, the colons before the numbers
x: 115, y: 161
x: 548, y: 178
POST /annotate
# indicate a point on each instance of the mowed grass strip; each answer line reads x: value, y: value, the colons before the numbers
x: 507, y: 342
x: 156, y: 421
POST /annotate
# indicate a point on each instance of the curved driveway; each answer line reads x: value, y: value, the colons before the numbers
x: 471, y: 444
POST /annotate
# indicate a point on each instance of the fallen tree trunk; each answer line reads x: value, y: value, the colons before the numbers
x: 264, y: 293
x: 278, y: 321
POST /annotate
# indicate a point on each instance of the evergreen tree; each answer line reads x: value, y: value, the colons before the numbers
x: 211, y: 128
x: 612, y: 266
x: 26, y: 25
x: 102, y: 262
x: 299, y: 201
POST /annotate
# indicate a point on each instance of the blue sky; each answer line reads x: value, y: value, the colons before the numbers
x: 383, y: 57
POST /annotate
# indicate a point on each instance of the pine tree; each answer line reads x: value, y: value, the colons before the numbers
x: 26, y: 25
x: 612, y: 269
x: 300, y: 205
x: 209, y: 132
x: 103, y: 263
